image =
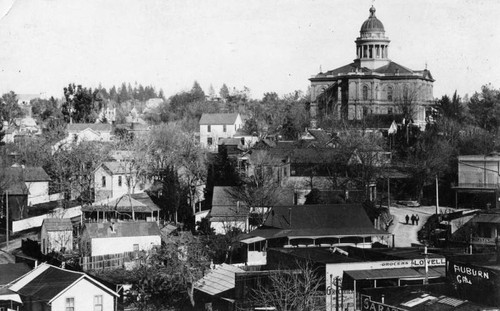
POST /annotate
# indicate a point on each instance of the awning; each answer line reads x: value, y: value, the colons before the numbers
x: 487, y: 218
x: 253, y: 240
x: 383, y: 274
x: 11, y: 297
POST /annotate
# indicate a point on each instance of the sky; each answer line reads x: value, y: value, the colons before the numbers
x: 265, y: 45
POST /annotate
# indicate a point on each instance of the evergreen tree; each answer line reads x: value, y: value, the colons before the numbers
x: 224, y: 92
x: 197, y: 92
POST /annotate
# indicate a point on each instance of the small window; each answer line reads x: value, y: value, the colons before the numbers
x: 389, y: 110
x: 209, y: 141
x: 209, y: 128
x: 389, y: 94
x: 70, y: 304
x: 365, y: 92
x: 119, y: 181
x: 103, y: 182
x: 98, y: 303
x: 136, y: 247
x: 224, y: 129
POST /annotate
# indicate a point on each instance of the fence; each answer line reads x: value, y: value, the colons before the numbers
x: 33, y: 222
x: 112, y: 261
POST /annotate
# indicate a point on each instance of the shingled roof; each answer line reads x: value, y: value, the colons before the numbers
x: 317, y: 220
x: 218, y: 118
x: 57, y: 224
x: 98, y: 127
x: 47, y: 282
x: 219, y: 280
x: 27, y: 174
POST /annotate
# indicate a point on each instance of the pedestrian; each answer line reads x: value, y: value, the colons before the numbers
x: 417, y: 218
x: 407, y: 218
x: 412, y: 219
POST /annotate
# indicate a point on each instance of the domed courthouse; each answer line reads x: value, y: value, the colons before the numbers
x: 372, y: 84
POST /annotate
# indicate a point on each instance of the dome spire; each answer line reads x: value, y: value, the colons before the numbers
x: 372, y: 11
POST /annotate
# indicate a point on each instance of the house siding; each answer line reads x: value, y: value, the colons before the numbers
x: 118, y: 245
x: 56, y: 240
x: 112, y: 189
x: 83, y: 292
x: 217, y: 132
x: 38, y: 192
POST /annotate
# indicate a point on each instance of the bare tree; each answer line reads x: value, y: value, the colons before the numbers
x: 291, y: 290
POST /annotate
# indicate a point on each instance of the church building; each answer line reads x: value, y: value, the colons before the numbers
x: 373, y: 85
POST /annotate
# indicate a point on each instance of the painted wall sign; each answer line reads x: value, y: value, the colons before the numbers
x: 369, y: 305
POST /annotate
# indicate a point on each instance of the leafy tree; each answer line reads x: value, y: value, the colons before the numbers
x: 484, y: 108
x: 9, y: 107
x: 450, y: 108
x: 82, y: 105
x: 168, y: 281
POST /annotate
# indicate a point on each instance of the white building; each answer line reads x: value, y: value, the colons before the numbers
x: 56, y: 235
x: 214, y: 126
x: 113, y: 179
x: 51, y: 288
x: 78, y: 132
x: 119, y: 237
x: 35, y: 179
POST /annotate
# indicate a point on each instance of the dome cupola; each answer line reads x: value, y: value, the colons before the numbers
x: 372, y: 24
x: 372, y: 46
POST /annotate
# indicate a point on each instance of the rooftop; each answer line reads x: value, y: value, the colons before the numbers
x: 218, y: 118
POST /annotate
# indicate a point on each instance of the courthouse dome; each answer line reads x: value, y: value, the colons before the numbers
x: 372, y: 23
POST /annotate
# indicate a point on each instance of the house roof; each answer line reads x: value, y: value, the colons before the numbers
x: 392, y: 68
x: 57, y: 224
x: 225, y: 206
x: 219, y: 280
x: 11, y: 271
x: 115, y: 168
x: 139, y: 202
x: 317, y: 220
x: 122, y: 229
x: 218, y: 118
x: 98, y: 127
x: 28, y: 174
x: 230, y: 141
x: 46, y: 282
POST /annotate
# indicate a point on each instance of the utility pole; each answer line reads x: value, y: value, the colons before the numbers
x: 437, y: 195
x: 7, y: 214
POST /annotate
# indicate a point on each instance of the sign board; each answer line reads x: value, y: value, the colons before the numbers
x: 337, y: 270
x: 369, y: 305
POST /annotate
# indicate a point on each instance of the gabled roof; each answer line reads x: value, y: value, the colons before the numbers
x: 28, y: 174
x: 45, y: 283
x: 98, y: 127
x: 224, y: 205
x: 218, y: 118
x: 11, y: 271
x: 317, y: 220
x: 219, y: 280
x: 122, y: 229
x: 57, y: 224
x: 115, y: 168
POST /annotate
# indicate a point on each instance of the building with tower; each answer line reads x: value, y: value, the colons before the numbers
x: 372, y: 85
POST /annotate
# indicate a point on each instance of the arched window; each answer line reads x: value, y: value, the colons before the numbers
x: 365, y: 92
x: 389, y: 93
